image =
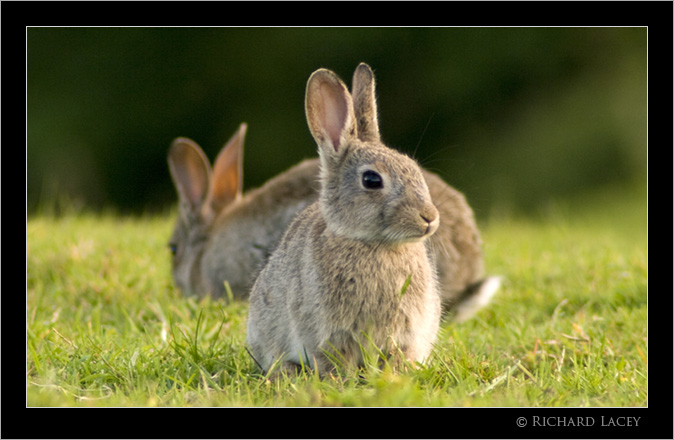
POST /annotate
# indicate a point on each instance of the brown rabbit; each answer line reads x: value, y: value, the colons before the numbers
x: 224, y: 235
x: 352, y: 272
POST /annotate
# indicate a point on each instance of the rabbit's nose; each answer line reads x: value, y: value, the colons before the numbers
x: 432, y: 219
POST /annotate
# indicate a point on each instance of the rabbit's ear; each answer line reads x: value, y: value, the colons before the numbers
x: 364, y: 103
x: 227, y: 182
x: 190, y: 171
x: 329, y: 111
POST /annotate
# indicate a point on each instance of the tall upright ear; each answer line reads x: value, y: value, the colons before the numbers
x: 364, y: 103
x: 191, y: 174
x: 329, y: 110
x: 227, y: 182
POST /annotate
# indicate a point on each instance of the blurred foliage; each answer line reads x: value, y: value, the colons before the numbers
x: 513, y: 117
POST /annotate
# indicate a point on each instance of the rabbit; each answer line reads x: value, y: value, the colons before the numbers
x: 224, y: 235
x: 352, y: 274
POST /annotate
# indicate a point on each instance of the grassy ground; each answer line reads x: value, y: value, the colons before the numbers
x: 568, y: 328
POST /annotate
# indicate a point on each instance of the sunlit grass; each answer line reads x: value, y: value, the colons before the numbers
x: 105, y: 326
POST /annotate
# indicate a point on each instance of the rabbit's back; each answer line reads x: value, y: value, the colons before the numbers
x: 456, y: 246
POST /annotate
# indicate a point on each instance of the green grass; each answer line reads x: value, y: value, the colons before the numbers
x: 105, y: 326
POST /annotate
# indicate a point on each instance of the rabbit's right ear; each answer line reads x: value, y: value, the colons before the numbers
x: 191, y: 173
x: 227, y: 182
x: 329, y: 110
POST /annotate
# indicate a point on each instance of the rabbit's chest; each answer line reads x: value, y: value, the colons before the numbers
x: 374, y: 290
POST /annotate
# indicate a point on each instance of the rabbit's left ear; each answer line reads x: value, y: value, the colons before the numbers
x: 191, y: 174
x: 329, y: 110
x: 364, y: 103
x: 227, y: 182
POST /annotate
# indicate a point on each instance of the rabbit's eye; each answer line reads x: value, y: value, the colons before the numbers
x: 372, y: 180
x: 173, y: 247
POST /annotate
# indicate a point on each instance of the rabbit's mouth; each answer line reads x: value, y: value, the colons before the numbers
x: 409, y: 227
x: 409, y: 236
x: 422, y: 230
x: 431, y: 226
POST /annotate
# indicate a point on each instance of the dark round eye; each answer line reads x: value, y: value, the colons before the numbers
x: 372, y: 180
x: 173, y: 247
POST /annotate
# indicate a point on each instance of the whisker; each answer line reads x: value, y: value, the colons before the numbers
x: 444, y: 156
x: 414, y: 154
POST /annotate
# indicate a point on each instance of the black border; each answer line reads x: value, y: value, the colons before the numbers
x: 655, y: 421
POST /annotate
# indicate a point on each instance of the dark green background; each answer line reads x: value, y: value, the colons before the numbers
x: 513, y: 117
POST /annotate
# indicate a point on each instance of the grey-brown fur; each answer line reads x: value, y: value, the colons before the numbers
x: 335, y: 282
x: 224, y: 235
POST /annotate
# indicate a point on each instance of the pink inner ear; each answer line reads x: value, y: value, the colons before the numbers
x: 196, y: 192
x: 193, y: 175
x: 227, y: 172
x: 334, y: 113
